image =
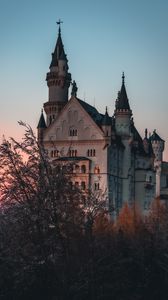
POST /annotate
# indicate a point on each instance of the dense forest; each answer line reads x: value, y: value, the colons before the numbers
x: 57, y: 243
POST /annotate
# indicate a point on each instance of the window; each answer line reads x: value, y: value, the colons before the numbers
x: 148, y: 178
x: 83, y: 169
x: 77, y: 168
x: 96, y: 170
x: 91, y: 152
x: 96, y: 186
x: 54, y: 153
x: 72, y: 153
x: 76, y: 184
x: 83, y: 185
x: 73, y: 132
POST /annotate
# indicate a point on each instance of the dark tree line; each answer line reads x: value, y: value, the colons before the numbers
x: 58, y: 244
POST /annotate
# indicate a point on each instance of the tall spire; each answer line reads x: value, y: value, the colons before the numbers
x: 59, y: 52
x: 41, y: 123
x: 122, y: 101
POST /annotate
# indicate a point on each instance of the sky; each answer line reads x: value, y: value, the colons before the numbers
x: 101, y: 39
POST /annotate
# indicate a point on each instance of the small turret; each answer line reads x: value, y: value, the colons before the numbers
x: 158, y: 146
x: 106, y: 124
x: 41, y: 127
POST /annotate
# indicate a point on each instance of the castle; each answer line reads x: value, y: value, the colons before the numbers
x: 105, y: 152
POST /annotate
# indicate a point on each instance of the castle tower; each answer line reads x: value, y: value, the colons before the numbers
x: 58, y: 81
x: 122, y: 112
x: 158, y: 148
x: 123, y: 121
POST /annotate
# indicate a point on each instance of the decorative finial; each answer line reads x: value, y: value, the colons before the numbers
x: 123, y: 78
x: 59, y: 22
x: 74, y: 89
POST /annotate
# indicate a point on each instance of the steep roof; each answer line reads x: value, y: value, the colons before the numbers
x: 92, y: 111
x: 59, y: 52
x: 155, y: 137
x: 106, y: 120
x: 122, y: 100
x: 41, y: 123
x: 138, y: 140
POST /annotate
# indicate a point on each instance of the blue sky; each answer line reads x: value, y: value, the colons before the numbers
x: 102, y: 39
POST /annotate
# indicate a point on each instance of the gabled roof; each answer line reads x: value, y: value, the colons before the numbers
x: 92, y: 111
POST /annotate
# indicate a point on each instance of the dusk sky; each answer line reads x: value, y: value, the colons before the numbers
x: 101, y: 39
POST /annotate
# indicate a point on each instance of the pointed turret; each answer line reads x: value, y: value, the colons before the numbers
x: 158, y: 146
x: 59, y: 52
x: 41, y: 123
x: 106, y: 119
x: 41, y: 127
x: 122, y: 100
x: 58, y: 81
x: 106, y: 124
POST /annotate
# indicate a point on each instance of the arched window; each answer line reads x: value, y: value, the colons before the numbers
x: 91, y: 152
x: 77, y: 169
x: 72, y: 153
x: 83, y: 169
x: 73, y: 131
x: 83, y: 185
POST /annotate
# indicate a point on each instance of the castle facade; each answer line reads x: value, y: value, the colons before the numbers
x: 105, y: 152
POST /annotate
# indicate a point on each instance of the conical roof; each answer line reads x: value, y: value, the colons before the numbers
x: 122, y: 101
x: 155, y: 137
x: 106, y: 119
x: 59, y: 52
x: 41, y: 123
